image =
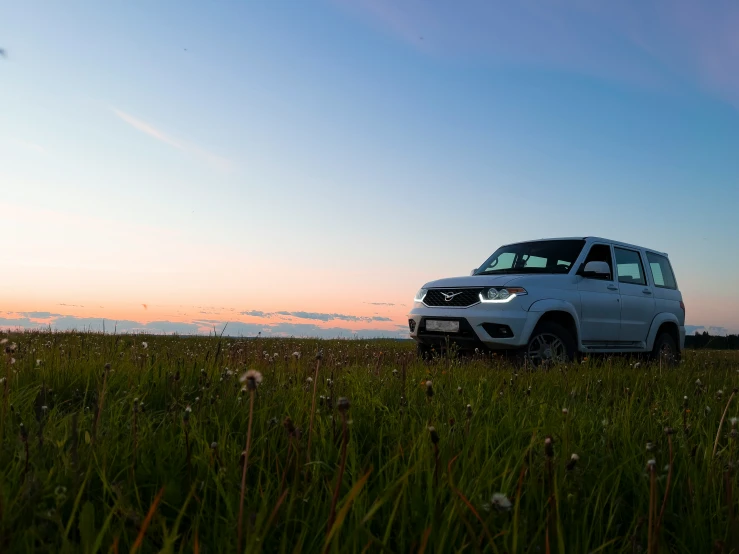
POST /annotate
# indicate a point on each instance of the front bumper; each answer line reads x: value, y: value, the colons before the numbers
x: 495, y: 326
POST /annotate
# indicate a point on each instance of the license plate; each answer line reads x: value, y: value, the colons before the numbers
x: 443, y: 326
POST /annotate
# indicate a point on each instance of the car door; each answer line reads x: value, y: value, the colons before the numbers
x: 600, y: 302
x: 637, y: 296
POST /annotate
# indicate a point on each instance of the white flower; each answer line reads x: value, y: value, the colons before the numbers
x: 652, y: 463
x: 144, y: 345
x: 252, y: 378
x: 4, y: 341
x: 698, y: 383
x: 500, y: 501
x: 574, y: 457
x: 309, y: 380
x: 565, y: 411
x: 188, y: 409
x: 296, y: 355
x: 38, y: 363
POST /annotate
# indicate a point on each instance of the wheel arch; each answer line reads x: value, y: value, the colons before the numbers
x: 664, y: 322
x: 556, y: 311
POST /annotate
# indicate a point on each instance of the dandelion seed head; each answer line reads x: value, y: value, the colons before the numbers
x: 500, y: 501
x: 252, y: 378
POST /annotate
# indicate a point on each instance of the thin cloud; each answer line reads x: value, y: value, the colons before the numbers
x: 214, y: 160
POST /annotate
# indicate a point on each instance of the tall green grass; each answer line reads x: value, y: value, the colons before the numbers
x: 112, y: 460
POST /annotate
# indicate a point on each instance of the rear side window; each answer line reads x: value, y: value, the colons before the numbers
x: 661, y: 271
x: 630, y: 269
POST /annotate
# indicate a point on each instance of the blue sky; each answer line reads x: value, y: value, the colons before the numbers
x: 329, y: 157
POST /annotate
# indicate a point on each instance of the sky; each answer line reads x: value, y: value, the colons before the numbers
x: 303, y: 167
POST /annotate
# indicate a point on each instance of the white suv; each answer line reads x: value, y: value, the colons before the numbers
x: 554, y: 298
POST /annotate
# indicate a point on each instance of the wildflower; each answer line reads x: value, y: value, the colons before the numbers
x: 469, y: 411
x: 2, y: 380
x: 429, y: 389
x: 343, y: 404
x: 309, y: 380
x: 214, y: 445
x: 434, y: 435
x: 549, y: 447
x: 395, y: 372
x: 289, y: 426
x: 733, y: 421
x: 38, y: 363
x: 459, y: 390
x: 500, y: 502
x: 329, y: 383
x: 650, y: 446
x: 669, y: 431
x: 573, y: 462
x: 144, y: 345
x: 296, y: 355
x: 4, y: 341
x: 188, y: 409
x: 252, y: 378
x: 44, y: 408
x: 565, y: 411
x: 651, y: 464
x: 708, y: 410
x: 698, y: 383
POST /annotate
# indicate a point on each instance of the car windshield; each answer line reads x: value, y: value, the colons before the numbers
x: 545, y: 256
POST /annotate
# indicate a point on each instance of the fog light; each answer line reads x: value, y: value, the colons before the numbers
x: 412, y: 325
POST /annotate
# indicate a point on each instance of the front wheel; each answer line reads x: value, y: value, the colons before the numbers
x: 550, y: 343
x: 423, y: 351
x: 665, y: 349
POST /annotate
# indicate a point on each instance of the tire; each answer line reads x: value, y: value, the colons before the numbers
x: 665, y: 349
x: 549, y: 343
x: 423, y: 351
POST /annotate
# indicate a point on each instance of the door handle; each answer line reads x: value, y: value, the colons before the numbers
x: 647, y: 291
x: 612, y: 287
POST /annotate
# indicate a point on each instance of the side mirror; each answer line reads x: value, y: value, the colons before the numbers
x: 473, y: 272
x: 597, y: 270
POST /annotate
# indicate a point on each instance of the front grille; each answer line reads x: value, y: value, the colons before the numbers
x: 463, y: 298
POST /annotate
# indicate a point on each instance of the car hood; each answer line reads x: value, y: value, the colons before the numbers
x: 472, y: 281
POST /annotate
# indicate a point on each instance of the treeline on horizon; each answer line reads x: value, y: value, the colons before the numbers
x: 713, y: 342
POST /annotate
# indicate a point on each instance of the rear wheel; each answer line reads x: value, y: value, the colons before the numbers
x: 550, y: 343
x: 665, y: 349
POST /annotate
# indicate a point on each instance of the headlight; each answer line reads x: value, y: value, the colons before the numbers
x: 420, y: 295
x: 501, y: 294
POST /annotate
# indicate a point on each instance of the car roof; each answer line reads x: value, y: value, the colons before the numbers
x: 596, y: 239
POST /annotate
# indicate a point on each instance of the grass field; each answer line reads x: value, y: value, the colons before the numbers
x: 357, y: 451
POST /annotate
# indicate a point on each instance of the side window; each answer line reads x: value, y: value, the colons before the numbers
x: 630, y: 269
x: 601, y: 253
x: 661, y: 271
